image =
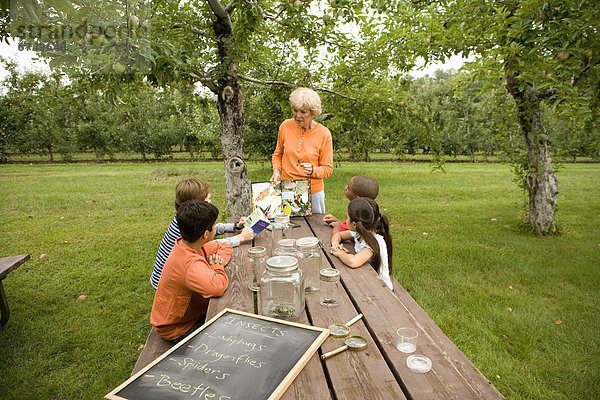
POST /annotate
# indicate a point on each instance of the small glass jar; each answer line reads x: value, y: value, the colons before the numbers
x: 309, y: 258
x: 329, y: 287
x: 280, y: 229
x: 256, y: 263
x: 285, y: 247
x: 281, y: 292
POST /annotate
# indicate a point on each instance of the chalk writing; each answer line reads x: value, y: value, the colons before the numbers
x: 188, y: 362
x: 200, y: 391
x: 230, y: 340
x: 215, y: 356
x: 266, y: 330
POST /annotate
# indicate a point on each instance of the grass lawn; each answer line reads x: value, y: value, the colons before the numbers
x: 524, y: 309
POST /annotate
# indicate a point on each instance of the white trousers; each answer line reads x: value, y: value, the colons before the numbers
x: 318, y: 202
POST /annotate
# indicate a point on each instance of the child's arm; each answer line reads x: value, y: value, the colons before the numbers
x: 329, y: 219
x: 353, y: 260
x: 337, y: 237
x: 207, y: 276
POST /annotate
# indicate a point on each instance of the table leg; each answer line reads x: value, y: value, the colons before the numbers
x: 3, y: 306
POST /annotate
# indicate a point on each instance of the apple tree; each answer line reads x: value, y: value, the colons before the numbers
x: 218, y: 44
x: 543, y: 52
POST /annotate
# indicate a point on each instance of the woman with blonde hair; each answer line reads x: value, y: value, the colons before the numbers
x: 304, y: 147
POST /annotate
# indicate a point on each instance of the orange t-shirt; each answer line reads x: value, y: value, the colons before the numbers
x: 186, y: 283
x: 294, y: 147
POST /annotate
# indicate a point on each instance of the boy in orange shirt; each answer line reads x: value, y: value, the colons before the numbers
x: 193, y: 272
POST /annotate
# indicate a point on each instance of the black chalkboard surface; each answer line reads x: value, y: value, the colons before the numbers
x: 235, y: 355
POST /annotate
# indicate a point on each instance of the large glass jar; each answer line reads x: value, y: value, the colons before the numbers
x: 280, y: 229
x: 256, y: 263
x: 309, y: 259
x: 285, y: 247
x: 281, y: 292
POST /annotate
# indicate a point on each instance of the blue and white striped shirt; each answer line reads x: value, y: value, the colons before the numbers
x: 168, y: 242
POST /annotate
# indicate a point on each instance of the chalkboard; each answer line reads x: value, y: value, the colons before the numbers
x: 234, y: 356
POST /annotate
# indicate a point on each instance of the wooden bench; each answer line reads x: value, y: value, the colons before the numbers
x: 7, y: 265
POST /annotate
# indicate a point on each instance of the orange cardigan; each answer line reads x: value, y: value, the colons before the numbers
x: 186, y: 283
x: 317, y: 148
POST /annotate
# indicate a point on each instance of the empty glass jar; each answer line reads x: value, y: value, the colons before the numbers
x: 285, y: 247
x: 309, y: 258
x: 256, y: 264
x: 280, y: 229
x: 281, y: 292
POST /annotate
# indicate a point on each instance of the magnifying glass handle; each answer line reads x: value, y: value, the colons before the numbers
x: 334, y: 352
x: 353, y: 320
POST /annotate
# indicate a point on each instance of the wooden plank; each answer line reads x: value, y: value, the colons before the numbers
x: 453, y: 376
x: 353, y: 375
x: 9, y: 264
x: 237, y: 296
x: 154, y: 347
x: 311, y: 383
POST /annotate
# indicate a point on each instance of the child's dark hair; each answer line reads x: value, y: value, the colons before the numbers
x: 361, y: 212
x: 194, y: 217
x: 382, y: 227
x: 363, y: 186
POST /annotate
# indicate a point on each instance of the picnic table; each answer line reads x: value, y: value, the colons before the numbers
x: 378, y: 372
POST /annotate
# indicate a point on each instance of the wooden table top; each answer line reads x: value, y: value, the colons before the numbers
x: 379, y: 371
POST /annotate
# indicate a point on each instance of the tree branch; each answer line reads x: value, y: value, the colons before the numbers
x: 281, y: 83
x: 219, y: 11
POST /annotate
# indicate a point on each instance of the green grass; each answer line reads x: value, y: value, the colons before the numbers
x: 495, y: 291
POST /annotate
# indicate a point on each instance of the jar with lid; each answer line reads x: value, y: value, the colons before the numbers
x: 309, y: 259
x: 280, y: 229
x: 256, y: 264
x: 285, y: 247
x: 329, y: 289
x: 281, y: 292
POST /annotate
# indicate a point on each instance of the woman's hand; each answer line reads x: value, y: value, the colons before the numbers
x: 246, y: 235
x: 275, y: 178
x: 308, y: 168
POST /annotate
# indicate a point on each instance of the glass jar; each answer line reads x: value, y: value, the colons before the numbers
x: 285, y: 247
x: 256, y: 264
x: 309, y: 259
x: 281, y: 292
x: 329, y: 287
x: 280, y: 229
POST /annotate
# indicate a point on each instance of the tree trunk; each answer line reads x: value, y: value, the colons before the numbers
x: 231, y: 111
x: 230, y: 104
x: 191, y: 150
x: 542, y: 184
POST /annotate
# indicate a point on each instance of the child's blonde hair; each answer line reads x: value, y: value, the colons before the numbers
x: 191, y: 189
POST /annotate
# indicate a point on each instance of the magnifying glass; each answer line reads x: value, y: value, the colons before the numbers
x: 354, y: 343
x: 343, y: 330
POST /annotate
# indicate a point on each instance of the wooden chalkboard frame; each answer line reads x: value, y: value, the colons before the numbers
x: 283, y: 384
